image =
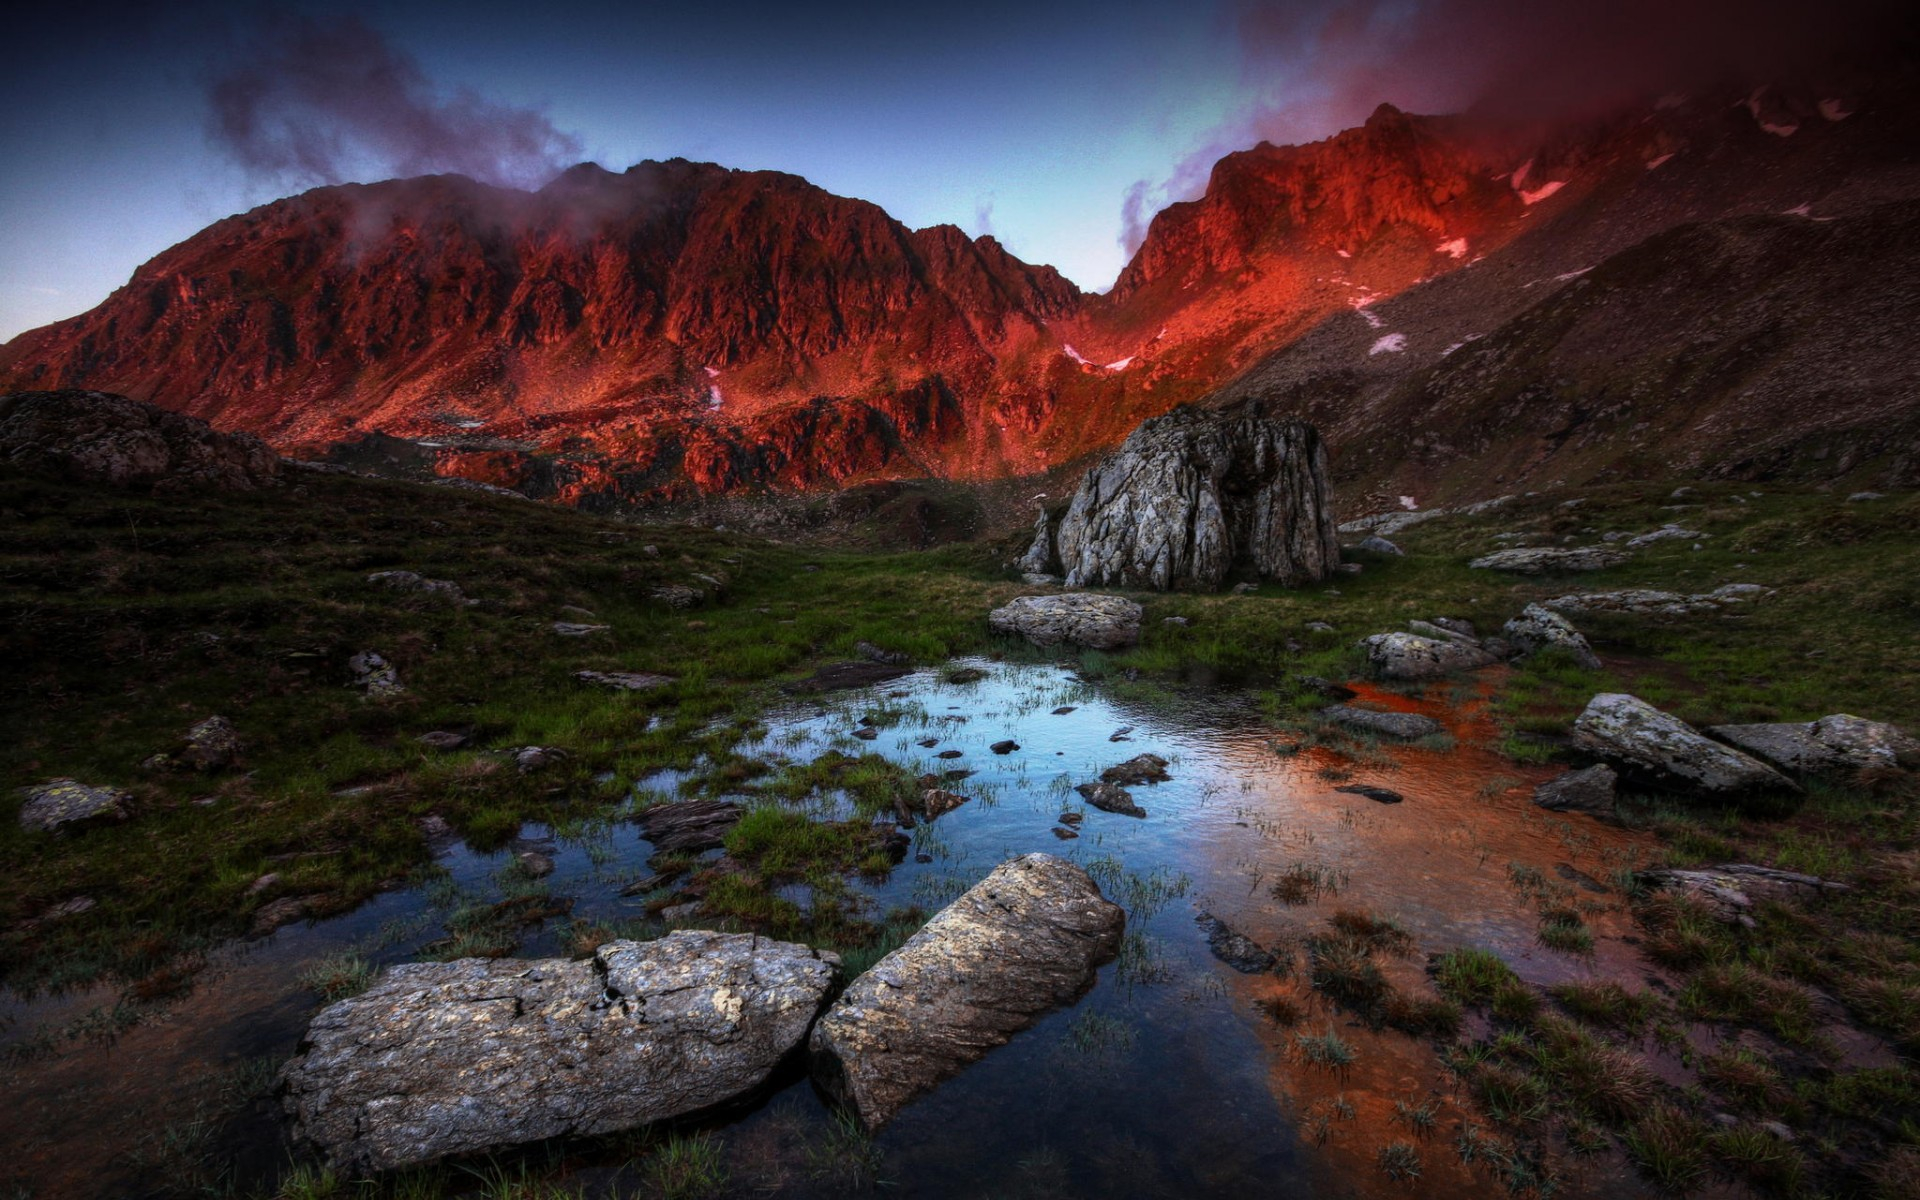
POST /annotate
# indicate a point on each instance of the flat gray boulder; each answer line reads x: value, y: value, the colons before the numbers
x: 1589, y: 791
x: 1833, y: 745
x: 1411, y: 656
x: 1641, y: 740
x: 1537, y: 629
x: 1075, y: 618
x: 1022, y: 941
x: 60, y: 802
x: 1192, y: 494
x: 1406, y: 726
x: 438, y: 1059
x: 1547, y: 560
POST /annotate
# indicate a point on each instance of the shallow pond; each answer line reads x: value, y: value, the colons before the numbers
x: 1175, y: 1076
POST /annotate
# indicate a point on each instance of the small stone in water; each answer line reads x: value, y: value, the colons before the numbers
x: 950, y: 754
x: 1379, y: 794
x: 1063, y: 710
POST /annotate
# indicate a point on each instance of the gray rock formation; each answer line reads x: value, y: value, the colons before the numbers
x: 1038, y: 560
x: 1375, y: 544
x: 1833, y: 745
x: 1650, y: 602
x: 103, y: 438
x: 1589, y: 791
x: 689, y: 825
x: 1022, y: 941
x: 66, y: 802
x: 1078, y: 618
x: 413, y: 581
x: 372, y: 672
x: 1537, y: 629
x: 1548, y: 560
x: 1642, y: 740
x: 451, y: 1058
x: 1407, y: 726
x: 1410, y: 656
x: 624, y: 681
x: 1194, y: 493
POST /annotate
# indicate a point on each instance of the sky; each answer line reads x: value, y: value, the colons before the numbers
x: 1058, y: 126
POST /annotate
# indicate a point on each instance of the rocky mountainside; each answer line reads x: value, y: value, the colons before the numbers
x: 1716, y: 284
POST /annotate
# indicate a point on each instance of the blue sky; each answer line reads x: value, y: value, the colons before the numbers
x: 1029, y: 121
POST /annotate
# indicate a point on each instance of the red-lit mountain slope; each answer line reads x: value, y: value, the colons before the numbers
x: 686, y: 328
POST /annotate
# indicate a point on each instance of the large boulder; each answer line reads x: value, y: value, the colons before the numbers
x: 98, y: 437
x: 1078, y: 618
x: 1022, y: 941
x: 1537, y: 629
x: 1194, y: 493
x: 438, y: 1059
x: 1643, y: 741
x: 1835, y: 745
x: 1410, y: 656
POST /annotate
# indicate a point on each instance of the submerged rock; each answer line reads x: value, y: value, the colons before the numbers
x: 1196, y: 492
x: 1645, y: 741
x: 1537, y: 629
x: 689, y: 825
x: 1410, y: 656
x: 59, y: 802
x: 1378, y: 795
x: 1077, y: 618
x: 1110, y: 797
x: 438, y: 1059
x: 1235, y: 949
x: 1588, y: 791
x: 1833, y: 745
x: 1403, y: 725
x: 1022, y: 941
x: 1548, y: 559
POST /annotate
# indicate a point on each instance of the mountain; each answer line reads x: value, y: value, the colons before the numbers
x: 1718, y: 284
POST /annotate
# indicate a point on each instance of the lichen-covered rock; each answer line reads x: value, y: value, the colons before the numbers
x: 1546, y: 560
x: 1410, y: 656
x: 413, y: 581
x: 1589, y: 791
x: 1642, y: 740
x: 1196, y: 492
x: 1651, y: 602
x: 438, y: 1059
x: 1833, y: 745
x: 1537, y: 629
x: 373, y: 673
x: 60, y: 802
x: 1407, y: 726
x: 1077, y: 618
x: 103, y: 438
x: 1022, y: 941
x: 624, y: 681
x: 211, y: 745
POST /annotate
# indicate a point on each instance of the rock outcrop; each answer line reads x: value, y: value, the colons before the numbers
x: 1643, y: 741
x: 1410, y: 656
x: 1833, y: 745
x: 1194, y: 494
x: 1022, y: 941
x: 1077, y: 618
x: 438, y: 1059
x: 99, y: 437
x: 1728, y: 890
x: 1537, y: 629
x: 1550, y: 560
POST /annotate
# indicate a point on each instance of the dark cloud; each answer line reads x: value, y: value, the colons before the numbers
x: 1312, y: 68
x: 309, y: 101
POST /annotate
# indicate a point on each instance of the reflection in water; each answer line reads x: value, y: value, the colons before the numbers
x: 1172, y: 1077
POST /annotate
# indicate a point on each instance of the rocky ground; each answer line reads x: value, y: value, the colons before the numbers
x: 240, y: 712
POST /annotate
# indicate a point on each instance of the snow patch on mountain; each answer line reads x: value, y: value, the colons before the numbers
x: 1457, y: 248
